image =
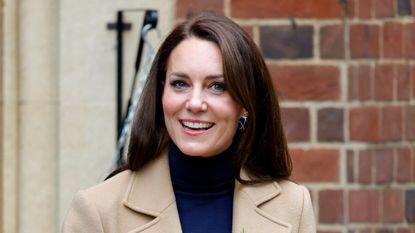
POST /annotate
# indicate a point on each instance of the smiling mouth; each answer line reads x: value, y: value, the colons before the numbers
x: 197, y: 125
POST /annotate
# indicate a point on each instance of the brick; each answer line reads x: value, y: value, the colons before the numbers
x: 403, y: 82
x: 249, y: 30
x: 410, y: 206
x: 365, y: 166
x: 413, y: 168
x: 391, y: 124
x: 318, y: 83
x: 186, y: 8
x: 409, y: 40
x: 330, y: 124
x: 410, y: 123
x: 332, y: 41
x: 364, y: 124
x: 392, y: 40
x: 364, y: 206
x: 353, y: 85
x: 365, y: 9
x: 384, y: 8
x: 393, y: 206
x: 404, y: 160
x: 384, y: 82
x: 384, y: 230
x: 413, y: 165
x: 412, y: 79
x: 351, y: 8
x: 360, y: 84
x: 365, y: 230
x: 383, y: 165
x: 364, y: 76
x: 364, y: 41
x: 289, y: 42
x: 403, y: 230
x: 315, y: 165
x: 286, y: 9
x: 413, y: 14
x: 331, y: 209
x: 404, y: 7
x: 296, y: 123
x: 350, y: 166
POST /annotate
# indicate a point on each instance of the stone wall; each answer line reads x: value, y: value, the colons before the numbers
x: 58, y: 102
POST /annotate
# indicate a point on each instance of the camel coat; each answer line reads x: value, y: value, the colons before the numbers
x: 144, y: 202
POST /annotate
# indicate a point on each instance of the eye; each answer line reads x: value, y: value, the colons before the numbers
x: 178, y: 84
x: 218, y: 86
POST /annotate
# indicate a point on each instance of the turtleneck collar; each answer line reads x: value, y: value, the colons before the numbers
x: 201, y: 174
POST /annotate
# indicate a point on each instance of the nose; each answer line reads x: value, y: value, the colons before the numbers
x: 196, y: 101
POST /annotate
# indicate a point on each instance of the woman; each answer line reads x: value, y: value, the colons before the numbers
x: 207, y: 152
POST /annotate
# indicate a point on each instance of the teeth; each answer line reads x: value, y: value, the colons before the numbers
x: 197, y: 125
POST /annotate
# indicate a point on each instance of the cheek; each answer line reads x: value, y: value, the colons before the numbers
x: 170, y: 104
x: 165, y: 98
x: 229, y: 111
x: 167, y: 105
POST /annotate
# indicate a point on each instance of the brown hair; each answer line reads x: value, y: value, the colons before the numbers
x: 262, y: 148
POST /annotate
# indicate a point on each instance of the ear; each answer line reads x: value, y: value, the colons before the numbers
x: 244, y: 112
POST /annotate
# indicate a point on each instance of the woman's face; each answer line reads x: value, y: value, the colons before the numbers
x: 200, y: 115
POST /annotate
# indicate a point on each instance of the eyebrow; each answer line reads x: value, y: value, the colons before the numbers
x: 186, y: 76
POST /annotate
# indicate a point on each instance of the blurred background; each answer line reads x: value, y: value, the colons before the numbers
x: 344, y: 71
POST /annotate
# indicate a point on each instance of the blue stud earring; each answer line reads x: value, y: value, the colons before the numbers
x: 242, y: 122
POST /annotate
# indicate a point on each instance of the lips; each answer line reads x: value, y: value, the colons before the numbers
x: 196, y: 125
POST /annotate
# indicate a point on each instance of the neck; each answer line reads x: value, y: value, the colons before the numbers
x: 201, y: 173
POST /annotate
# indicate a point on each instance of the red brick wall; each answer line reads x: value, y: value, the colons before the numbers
x: 345, y: 72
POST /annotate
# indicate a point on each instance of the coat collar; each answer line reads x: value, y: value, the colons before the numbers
x: 247, y: 213
x: 150, y: 192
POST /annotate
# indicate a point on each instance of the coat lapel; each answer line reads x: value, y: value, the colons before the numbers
x: 247, y: 213
x: 150, y: 192
x: 168, y: 221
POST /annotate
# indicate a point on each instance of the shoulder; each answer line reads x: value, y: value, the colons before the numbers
x: 108, y: 194
x: 104, y: 196
x: 114, y: 186
x: 283, y: 201
x: 291, y: 196
x: 294, y: 205
x: 292, y: 191
x: 117, y: 190
x: 283, y: 196
x: 91, y: 208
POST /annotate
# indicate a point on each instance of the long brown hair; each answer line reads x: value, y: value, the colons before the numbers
x: 262, y: 148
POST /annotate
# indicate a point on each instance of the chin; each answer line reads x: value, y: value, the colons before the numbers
x: 196, y: 153
x: 193, y: 151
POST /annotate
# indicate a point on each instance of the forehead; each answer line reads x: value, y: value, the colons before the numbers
x: 195, y: 55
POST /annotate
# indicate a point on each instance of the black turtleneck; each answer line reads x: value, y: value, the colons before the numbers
x: 204, y: 190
